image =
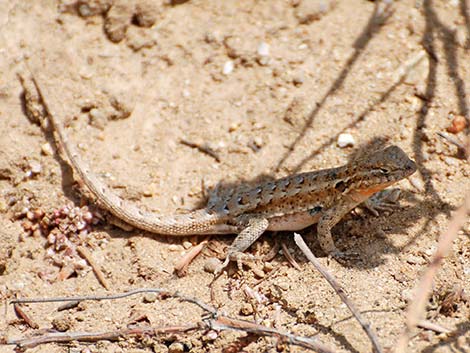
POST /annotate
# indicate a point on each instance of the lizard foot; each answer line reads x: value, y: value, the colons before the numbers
x: 342, y: 257
x: 385, y: 200
x: 239, y: 257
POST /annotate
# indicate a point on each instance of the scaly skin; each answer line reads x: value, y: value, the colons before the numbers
x: 290, y: 203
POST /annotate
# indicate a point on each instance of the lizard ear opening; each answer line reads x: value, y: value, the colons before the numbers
x: 340, y: 186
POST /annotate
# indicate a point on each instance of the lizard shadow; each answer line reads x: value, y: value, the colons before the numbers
x: 67, y: 180
x: 398, y: 221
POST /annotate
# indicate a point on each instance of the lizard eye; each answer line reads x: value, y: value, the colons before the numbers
x: 384, y: 170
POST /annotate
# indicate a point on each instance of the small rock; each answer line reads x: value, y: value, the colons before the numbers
x: 174, y: 247
x: 228, y: 67
x: 211, y: 335
x: 298, y: 79
x: 312, y: 10
x: 150, y: 298
x: 450, y: 161
x: 97, y: 118
x: 117, y: 21
x: 145, y: 13
x: 345, y: 140
x: 415, y: 260
x: 139, y: 38
x: 258, y: 272
x: 35, y: 167
x: 407, y: 295
x: 263, y: 49
x: 187, y: 245
x: 458, y: 124
x: 416, y: 183
x: 211, y: 265
x: 84, y: 10
x: 46, y: 149
x: 246, y: 309
x: 176, y: 347
x: 258, y: 141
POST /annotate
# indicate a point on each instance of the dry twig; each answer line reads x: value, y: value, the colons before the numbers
x: 215, y: 321
x: 203, y: 147
x: 418, y: 305
x: 339, y: 290
x: 22, y: 315
x: 289, y: 256
x: 83, y: 252
x: 183, y: 263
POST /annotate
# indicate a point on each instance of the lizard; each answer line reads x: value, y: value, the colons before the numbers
x: 290, y: 203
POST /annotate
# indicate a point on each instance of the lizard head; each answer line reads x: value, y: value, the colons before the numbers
x: 385, y: 166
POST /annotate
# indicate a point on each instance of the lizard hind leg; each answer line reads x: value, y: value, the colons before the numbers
x: 256, y: 226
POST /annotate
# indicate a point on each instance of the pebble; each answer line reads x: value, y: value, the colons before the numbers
x: 187, y: 245
x: 84, y: 10
x: 176, y: 347
x: 263, y: 49
x: 415, y: 260
x: 312, y: 10
x: 450, y: 161
x: 298, y: 79
x: 46, y: 149
x: 97, y: 118
x: 345, y: 140
x: 35, y: 167
x: 258, y: 141
x: 150, y: 297
x: 228, y: 67
x: 212, y: 335
x: 246, y: 309
x: 416, y: 183
x: 459, y: 122
x: 174, y: 247
x: 211, y: 265
x: 407, y: 295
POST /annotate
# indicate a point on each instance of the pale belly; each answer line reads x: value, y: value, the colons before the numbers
x: 293, y: 222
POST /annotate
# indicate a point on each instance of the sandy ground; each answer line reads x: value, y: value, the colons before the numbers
x: 268, y: 86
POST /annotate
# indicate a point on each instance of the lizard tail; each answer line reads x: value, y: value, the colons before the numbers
x: 197, y: 222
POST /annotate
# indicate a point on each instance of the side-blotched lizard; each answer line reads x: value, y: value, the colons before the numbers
x: 291, y: 203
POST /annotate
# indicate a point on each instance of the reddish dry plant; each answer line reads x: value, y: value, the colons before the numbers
x: 65, y: 229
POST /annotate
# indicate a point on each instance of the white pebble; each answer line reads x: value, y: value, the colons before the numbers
x: 35, y: 167
x: 345, y: 140
x: 228, y: 67
x: 263, y: 49
x: 174, y: 247
x: 46, y: 149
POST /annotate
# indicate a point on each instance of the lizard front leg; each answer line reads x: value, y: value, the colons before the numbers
x: 256, y: 226
x: 328, y: 220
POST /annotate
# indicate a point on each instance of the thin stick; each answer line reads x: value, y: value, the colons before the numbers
x: 204, y: 148
x: 289, y: 257
x: 417, y: 307
x: 461, y: 148
x: 162, y: 292
x: 340, y: 291
x: 183, y: 263
x: 433, y: 326
x: 224, y: 323
x: 25, y: 317
x: 216, y: 321
x: 83, y: 252
x: 63, y: 337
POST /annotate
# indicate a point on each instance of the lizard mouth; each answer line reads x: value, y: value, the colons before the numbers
x: 410, y: 167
